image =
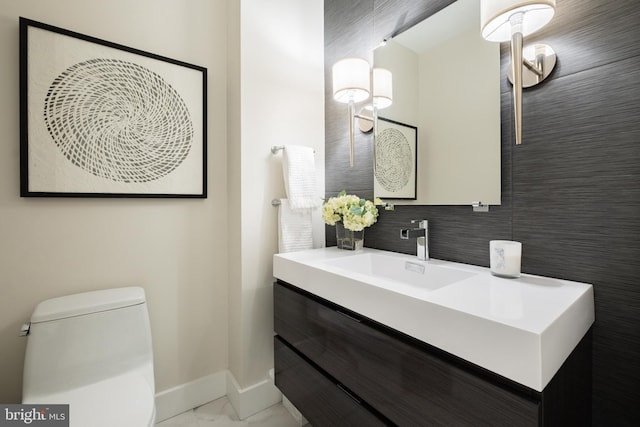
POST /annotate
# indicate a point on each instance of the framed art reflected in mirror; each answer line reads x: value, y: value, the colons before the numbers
x: 395, y: 158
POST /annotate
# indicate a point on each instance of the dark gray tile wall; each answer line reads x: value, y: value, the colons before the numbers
x: 570, y: 193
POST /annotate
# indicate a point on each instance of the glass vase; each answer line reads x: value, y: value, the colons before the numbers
x: 348, y: 239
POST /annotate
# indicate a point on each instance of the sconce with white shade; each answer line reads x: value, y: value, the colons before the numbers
x: 382, y: 93
x: 382, y: 88
x: 351, y: 84
x: 352, y: 79
x: 512, y: 20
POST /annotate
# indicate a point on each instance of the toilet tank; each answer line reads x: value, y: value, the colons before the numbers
x: 84, y: 338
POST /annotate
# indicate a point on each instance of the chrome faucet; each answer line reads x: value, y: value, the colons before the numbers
x: 421, y: 234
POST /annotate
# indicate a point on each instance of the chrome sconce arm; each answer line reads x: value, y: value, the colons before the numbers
x: 512, y: 20
x: 516, y: 70
x: 351, y: 113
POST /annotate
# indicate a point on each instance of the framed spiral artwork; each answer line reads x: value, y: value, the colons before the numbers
x: 396, y: 146
x: 98, y: 119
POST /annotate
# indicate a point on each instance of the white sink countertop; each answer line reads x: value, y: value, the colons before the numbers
x: 522, y: 329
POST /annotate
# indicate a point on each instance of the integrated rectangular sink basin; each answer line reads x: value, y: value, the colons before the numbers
x: 400, y: 272
x: 522, y: 329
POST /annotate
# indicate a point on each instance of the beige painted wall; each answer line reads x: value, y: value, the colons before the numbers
x: 406, y: 68
x: 276, y: 80
x: 175, y: 249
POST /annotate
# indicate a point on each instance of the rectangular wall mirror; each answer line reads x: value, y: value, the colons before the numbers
x: 446, y: 83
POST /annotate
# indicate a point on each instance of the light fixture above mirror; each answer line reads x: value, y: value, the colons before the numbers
x: 511, y: 20
x: 353, y: 82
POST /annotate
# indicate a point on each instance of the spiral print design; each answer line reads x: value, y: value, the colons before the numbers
x: 394, y: 161
x: 118, y: 120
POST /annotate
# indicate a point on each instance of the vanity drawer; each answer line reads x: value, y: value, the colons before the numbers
x: 408, y: 382
x: 321, y: 401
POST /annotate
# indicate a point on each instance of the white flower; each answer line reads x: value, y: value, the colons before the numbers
x: 354, y: 212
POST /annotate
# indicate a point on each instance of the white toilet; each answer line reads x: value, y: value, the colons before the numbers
x: 93, y: 351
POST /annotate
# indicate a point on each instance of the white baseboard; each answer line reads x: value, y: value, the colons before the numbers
x: 246, y: 401
x: 182, y: 398
x: 253, y: 399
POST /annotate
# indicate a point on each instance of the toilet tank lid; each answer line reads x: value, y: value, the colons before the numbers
x: 86, y: 303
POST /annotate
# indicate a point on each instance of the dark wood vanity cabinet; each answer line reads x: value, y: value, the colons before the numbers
x: 320, y: 398
x: 341, y: 369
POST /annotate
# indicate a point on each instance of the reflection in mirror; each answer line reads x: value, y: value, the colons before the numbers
x: 446, y: 82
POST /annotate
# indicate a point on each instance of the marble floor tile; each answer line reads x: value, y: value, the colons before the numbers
x: 220, y: 413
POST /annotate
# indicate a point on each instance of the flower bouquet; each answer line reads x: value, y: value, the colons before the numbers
x: 351, y: 215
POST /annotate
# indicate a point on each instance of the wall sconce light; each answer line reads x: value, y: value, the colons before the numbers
x: 352, y: 78
x: 511, y: 20
x: 382, y: 97
x: 382, y: 93
x: 351, y: 84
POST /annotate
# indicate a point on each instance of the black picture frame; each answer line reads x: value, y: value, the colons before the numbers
x: 396, y: 160
x: 99, y: 119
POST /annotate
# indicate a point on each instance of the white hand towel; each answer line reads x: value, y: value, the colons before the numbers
x: 295, y: 231
x: 299, y: 170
